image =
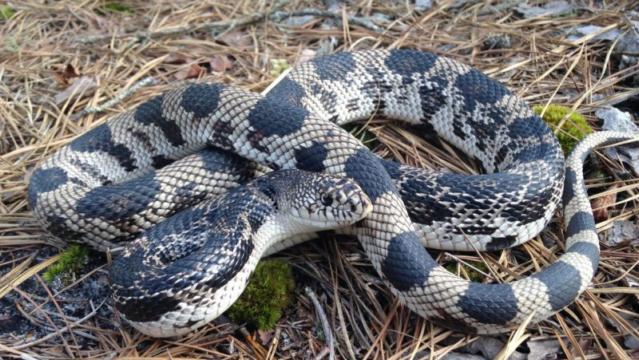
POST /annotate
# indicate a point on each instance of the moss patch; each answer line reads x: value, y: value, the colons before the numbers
x: 73, y: 259
x: 6, y: 12
x: 278, y: 66
x: 572, y: 130
x: 269, y: 292
x: 115, y: 7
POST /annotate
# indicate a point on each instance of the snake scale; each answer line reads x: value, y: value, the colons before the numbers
x: 176, y: 152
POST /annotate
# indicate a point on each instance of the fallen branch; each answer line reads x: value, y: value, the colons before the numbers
x: 150, y: 80
x: 223, y: 26
x: 328, y: 334
x: 355, y: 20
x: 216, y: 27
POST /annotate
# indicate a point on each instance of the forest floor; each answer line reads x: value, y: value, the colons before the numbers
x: 59, y: 58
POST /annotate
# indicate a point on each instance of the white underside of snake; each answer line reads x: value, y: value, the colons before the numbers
x: 169, y: 161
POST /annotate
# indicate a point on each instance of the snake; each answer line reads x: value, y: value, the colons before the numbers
x: 155, y: 181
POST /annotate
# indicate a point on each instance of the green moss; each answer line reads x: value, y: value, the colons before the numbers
x: 72, y: 261
x: 269, y: 292
x: 6, y: 12
x: 573, y: 129
x: 278, y: 66
x: 115, y: 7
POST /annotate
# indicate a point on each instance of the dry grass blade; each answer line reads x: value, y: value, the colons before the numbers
x: 16, y: 276
x: 516, y: 339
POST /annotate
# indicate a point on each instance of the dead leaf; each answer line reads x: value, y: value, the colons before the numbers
x: 64, y: 76
x: 617, y: 120
x: 306, y: 55
x: 176, y: 59
x: 552, y: 8
x: 194, y: 71
x: 79, y: 86
x: 543, y: 349
x: 601, y: 204
x: 221, y: 63
x: 623, y: 232
x: 235, y: 39
x: 265, y: 336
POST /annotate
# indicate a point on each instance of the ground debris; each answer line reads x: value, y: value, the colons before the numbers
x: 623, y: 232
x: 617, y: 120
x: 552, y: 8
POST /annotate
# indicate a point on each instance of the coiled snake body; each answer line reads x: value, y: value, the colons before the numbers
x: 102, y: 188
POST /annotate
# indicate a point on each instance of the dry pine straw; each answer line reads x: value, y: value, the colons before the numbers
x: 41, y: 41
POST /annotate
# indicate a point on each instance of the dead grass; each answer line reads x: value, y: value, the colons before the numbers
x: 44, y: 47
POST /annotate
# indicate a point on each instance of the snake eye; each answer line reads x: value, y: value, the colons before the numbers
x: 327, y: 200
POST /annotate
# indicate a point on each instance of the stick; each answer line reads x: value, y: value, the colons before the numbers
x: 325, y: 326
x: 217, y: 26
x: 226, y: 25
x: 357, y: 20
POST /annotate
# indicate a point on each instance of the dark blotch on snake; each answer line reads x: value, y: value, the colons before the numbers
x: 201, y: 99
x: 45, y: 180
x: 433, y: 97
x: 287, y: 91
x: 366, y: 170
x: 151, y: 112
x: 533, y: 153
x: 100, y: 139
x: 334, y: 67
x: 490, y: 304
x: 526, y: 128
x: 311, y: 158
x: 502, y: 242
x: 569, y: 185
x: 269, y: 117
x: 148, y: 308
x: 121, y: 201
x: 477, y: 88
x: 160, y: 161
x: 392, y: 168
x: 216, y: 160
x: 560, y: 293
x: 408, y: 62
x: 400, y: 267
x: 580, y: 221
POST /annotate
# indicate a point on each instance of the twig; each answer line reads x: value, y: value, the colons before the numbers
x: 61, y: 330
x: 356, y: 20
x: 223, y: 26
x: 149, y: 80
x: 16, y: 352
x: 216, y: 27
x: 325, y: 326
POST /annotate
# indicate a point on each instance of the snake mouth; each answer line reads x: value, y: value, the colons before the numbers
x: 354, y: 210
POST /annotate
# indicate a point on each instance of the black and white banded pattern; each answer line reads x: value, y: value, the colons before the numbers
x: 126, y: 175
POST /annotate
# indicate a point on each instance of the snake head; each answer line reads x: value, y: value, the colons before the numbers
x: 320, y: 201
